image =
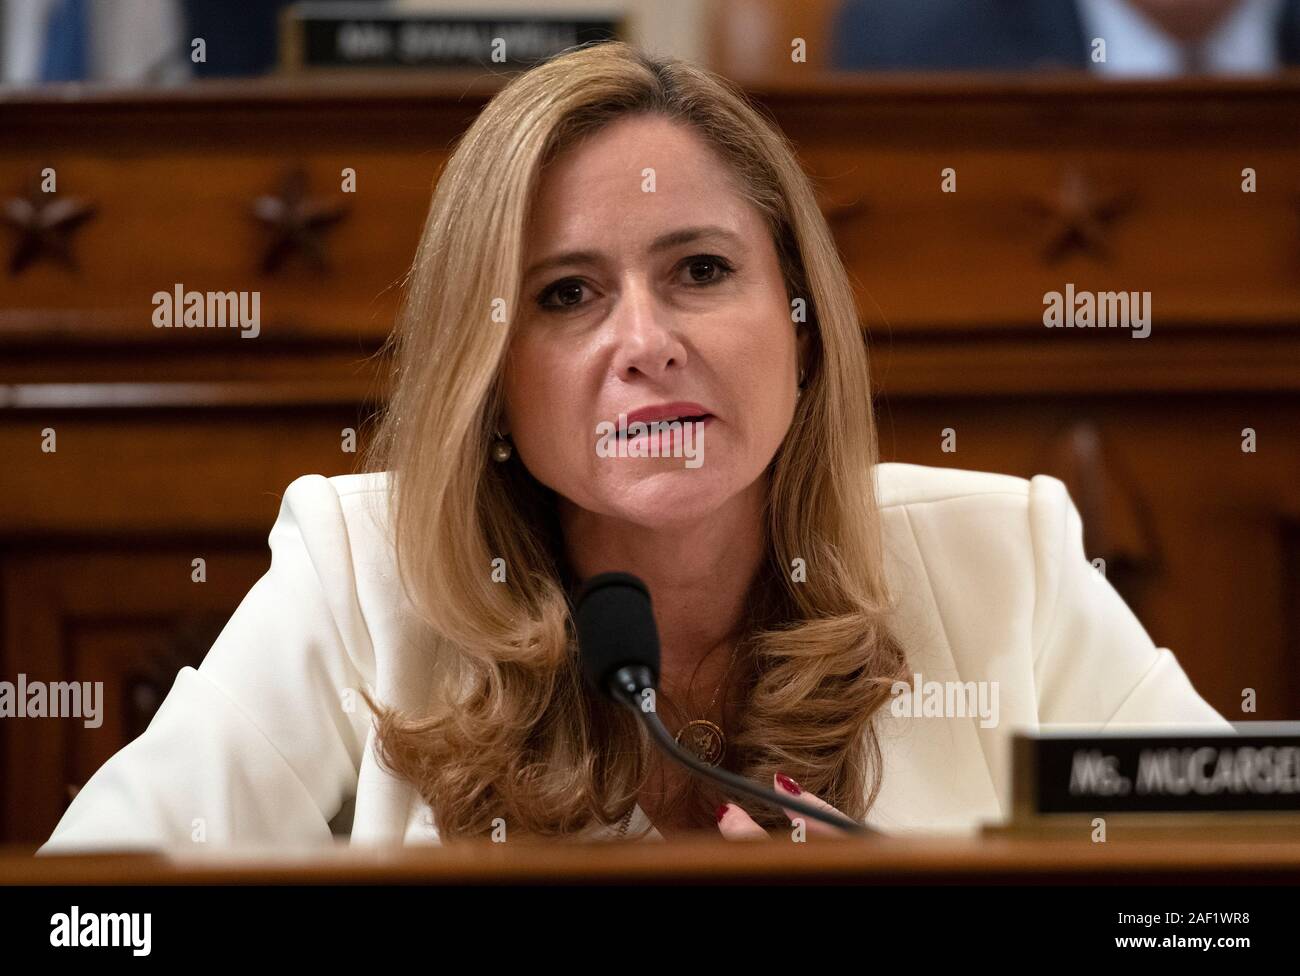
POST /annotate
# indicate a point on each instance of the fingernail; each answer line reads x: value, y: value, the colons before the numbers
x: 787, y: 784
x: 722, y: 811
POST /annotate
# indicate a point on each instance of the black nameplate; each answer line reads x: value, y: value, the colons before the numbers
x: 1156, y: 773
x: 352, y: 35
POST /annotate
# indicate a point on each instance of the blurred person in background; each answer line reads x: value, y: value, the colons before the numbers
x: 1144, y: 38
x: 136, y: 41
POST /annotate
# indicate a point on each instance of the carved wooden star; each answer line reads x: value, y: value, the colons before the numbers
x: 45, y: 222
x: 296, y: 223
x: 1078, y: 216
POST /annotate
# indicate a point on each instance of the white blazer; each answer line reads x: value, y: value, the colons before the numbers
x: 265, y: 743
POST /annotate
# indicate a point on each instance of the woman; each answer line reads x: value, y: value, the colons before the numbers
x: 621, y: 236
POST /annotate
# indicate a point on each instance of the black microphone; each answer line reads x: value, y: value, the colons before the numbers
x: 619, y: 648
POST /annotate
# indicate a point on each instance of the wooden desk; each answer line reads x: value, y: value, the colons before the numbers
x: 889, y: 861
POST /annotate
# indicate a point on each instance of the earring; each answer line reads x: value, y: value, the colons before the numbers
x: 799, y: 392
x: 501, y: 449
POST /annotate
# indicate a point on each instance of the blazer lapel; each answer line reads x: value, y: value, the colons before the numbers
x: 936, y: 774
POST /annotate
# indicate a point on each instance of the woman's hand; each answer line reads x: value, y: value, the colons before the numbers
x: 736, y: 824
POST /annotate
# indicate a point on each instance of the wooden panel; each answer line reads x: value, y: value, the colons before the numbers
x: 127, y: 618
x: 174, y: 198
x: 201, y: 234
x: 974, y: 259
x: 174, y: 177
x: 162, y: 472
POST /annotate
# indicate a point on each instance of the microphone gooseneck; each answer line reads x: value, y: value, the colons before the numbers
x: 619, y: 648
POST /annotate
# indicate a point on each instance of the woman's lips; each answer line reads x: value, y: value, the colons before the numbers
x: 705, y: 420
x: 673, y: 410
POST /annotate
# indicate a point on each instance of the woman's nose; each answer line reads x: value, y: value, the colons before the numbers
x: 645, y: 333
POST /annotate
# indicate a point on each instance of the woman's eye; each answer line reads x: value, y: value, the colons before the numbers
x: 707, y: 261
x: 569, y: 293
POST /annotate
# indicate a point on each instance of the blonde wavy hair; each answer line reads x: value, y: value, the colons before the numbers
x: 510, y: 731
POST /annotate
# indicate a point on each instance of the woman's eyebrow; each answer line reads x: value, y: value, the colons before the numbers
x: 663, y: 242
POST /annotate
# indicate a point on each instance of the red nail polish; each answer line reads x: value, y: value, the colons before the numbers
x: 722, y: 811
x: 788, y: 784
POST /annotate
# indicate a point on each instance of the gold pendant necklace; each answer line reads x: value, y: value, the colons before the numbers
x: 702, y: 737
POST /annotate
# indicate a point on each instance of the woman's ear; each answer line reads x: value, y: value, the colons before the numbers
x: 803, y: 338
